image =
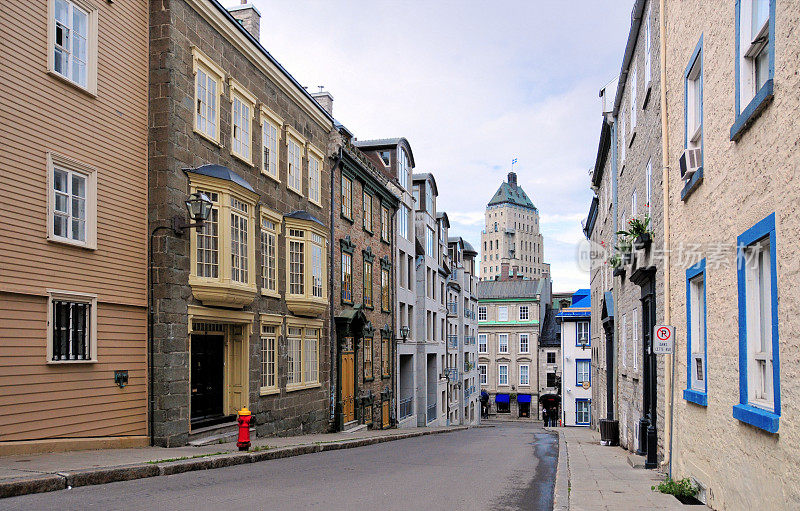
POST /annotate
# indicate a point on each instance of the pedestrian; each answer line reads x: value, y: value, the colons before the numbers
x: 544, y: 417
x: 484, y: 404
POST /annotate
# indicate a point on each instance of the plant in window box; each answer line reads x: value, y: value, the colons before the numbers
x: 624, y: 250
x: 638, y: 232
x: 615, y: 261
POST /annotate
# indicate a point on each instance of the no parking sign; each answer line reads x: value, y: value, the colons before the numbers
x: 663, y: 339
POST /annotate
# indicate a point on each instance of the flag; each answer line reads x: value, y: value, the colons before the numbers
x: 513, y: 161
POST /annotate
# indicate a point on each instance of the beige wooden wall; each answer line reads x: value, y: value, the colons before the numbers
x: 106, y: 131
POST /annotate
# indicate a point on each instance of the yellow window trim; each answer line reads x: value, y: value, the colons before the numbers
x: 238, y: 91
x: 270, y: 117
x: 275, y: 218
x: 298, y: 302
x: 303, y: 386
x: 313, y: 152
x: 201, y: 60
x: 275, y: 320
x: 303, y: 323
x: 301, y: 142
x: 54, y: 294
x: 91, y: 48
x: 268, y: 319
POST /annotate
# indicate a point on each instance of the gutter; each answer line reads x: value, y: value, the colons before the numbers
x: 633, y: 35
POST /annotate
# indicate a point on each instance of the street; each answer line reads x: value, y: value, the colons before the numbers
x: 496, y: 466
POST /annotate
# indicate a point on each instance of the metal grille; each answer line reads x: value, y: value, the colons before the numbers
x: 71, y: 335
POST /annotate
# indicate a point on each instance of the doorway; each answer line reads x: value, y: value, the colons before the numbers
x: 207, y: 379
x: 348, y: 386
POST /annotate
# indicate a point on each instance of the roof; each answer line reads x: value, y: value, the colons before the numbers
x: 581, y: 305
x: 588, y: 225
x: 505, y: 289
x: 609, y: 303
x: 304, y: 215
x: 466, y: 247
x: 221, y: 172
x: 422, y: 177
x: 443, y: 216
x: 630, y: 46
x: 548, y: 335
x: 508, y: 194
x: 387, y: 142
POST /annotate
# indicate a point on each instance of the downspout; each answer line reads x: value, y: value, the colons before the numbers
x: 393, y: 403
x: 332, y: 375
x: 669, y: 361
x: 614, y: 290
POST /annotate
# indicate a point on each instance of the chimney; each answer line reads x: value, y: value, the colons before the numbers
x: 324, y: 99
x: 512, y: 179
x: 249, y: 17
x: 503, y: 271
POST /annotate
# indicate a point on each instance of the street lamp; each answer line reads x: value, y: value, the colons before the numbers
x: 198, y: 206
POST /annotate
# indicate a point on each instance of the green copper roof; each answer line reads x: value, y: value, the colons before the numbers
x: 514, y: 195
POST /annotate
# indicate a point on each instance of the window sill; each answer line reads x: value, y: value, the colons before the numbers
x: 694, y: 183
x: 348, y: 219
x: 696, y: 397
x: 757, y: 417
x: 271, y: 294
x: 72, y: 243
x: 69, y: 362
x: 371, y: 378
x: 369, y: 307
x: 242, y: 159
x: 268, y: 392
x: 385, y: 376
x: 633, y: 137
x: 648, y: 90
x: 302, y: 386
x: 274, y: 177
x: 205, y: 136
x: 295, y: 191
x: 89, y: 92
x: 745, y: 119
x: 385, y: 241
x: 305, y: 306
x: 368, y: 231
x: 316, y: 203
x: 221, y: 293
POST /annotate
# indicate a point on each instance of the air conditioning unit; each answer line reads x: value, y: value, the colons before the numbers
x: 690, y: 162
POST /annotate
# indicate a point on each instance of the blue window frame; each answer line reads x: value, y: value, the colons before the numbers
x: 759, y: 361
x: 583, y: 412
x: 693, y: 113
x: 582, y: 332
x: 696, y: 338
x: 583, y: 371
x: 755, y: 61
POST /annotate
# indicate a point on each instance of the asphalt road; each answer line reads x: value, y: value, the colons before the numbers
x: 501, y: 467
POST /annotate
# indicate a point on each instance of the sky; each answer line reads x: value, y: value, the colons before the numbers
x: 471, y: 85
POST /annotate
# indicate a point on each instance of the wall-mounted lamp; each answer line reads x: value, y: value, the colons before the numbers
x: 199, y: 207
x: 121, y: 378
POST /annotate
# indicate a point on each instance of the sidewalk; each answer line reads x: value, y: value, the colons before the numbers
x: 36, y: 473
x: 600, y: 478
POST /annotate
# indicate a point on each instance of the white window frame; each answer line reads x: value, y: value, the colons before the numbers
x: 483, y: 374
x: 200, y: 62
x: 649, y: 183
x: 624, y: 340
x: 753, y: 41
x: 72, y: 166
x: 429, y: 243
x: 524, y: 313
x: 71, y: 296
x: 294, y: 167
x: 482, y: 314
x: 402, y: 169
x: 582, y: 375
x: 402, y: 221
x: 648, y: 48
x: 271, y: 125
x: 500, y: 382
x: 526, y: 345
x: 623, y: 138
x: 634, y: 82
x: 483, y: 343
x: 502, y: 313
x: 242, y: 131
x: 758, y: 308
x: 579, y: 403
x: 634, y: 205
x: 694, y: 103
x: 91, y: 45
x: 698, y: 369
x: 500, y: 344
x: 525, y: 369
x: 635, y: 338
x: 315, y: 159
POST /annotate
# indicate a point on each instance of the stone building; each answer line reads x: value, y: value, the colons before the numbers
x: 241, y: 305
x: 509, y: 314
x: 363, y: 261
x: 462, y: 329
x: 576, y: 361
x: 733, y: 93
x: 512, y: 235
x: 73, y: 276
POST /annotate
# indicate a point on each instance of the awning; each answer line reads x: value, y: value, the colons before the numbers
x: 501, y: 398
x: 523, y: 398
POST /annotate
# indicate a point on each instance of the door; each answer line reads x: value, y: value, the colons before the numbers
x: 348, y: 386
x: 385, y: 415
x: 207, y: 377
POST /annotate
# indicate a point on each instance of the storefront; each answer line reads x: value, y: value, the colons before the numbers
x: 524, y: 405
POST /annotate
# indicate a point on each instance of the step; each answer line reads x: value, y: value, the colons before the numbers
x: 217, y: 434
x: 352, y: 427
x: 635, y: 460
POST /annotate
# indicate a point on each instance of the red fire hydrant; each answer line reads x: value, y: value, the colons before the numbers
x: 244, y: 429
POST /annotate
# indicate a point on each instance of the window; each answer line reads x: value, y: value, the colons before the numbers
x: 502, y: 313
x: 347, y: 198
x: 347, y: 277
x: 208, y: 93
x: 551, y: 357
x: 402, y: 170
x: 482, y: 374
x: 314, y: 176
x: 239, y: 240
x: 624, y: 341
x: 294, y: 171
x: 269, y: 356
x: 551, y: 380
x: 582, y: 371
x: 634, y: 208
x: 482, y: 343
x: 270, y: 135
x: 755, y: 56
x: 648, y: 48
x: 367, y: 209
x: 367, y: 355
x: 502, y: 374
x: 306, y: 266
x: 386, y: 356
x: 402, y: 221
x: 429, y: 242
x: 72, y: 202
x: 582, y: 328
x: 384, y: 223
x: 385, y: 157
x: 72, y: 32
x: 623, y: 136
x: 633, y: 97
x: 242, y: 107
x: 523, y: 343
x: 302, y: 357
x: 386, y: 297
x: 635, y: 331
x: 502, y: 341
x: 429, y: 199
x: 523, y: 313
x: 72, y: 327
x: 696, y: 386
x: 269, y: 261
x: 367, y: 284
x: 582, y: 412
x: 649, y: 183
x: 417, y: 201
x: 694, y: 99
x: 524, y: 374
x: 481, y: 313
x: 208, y: 241
x: 759, y: 373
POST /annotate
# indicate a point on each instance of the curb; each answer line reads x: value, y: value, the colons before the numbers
x: 47, y: 482
x: 561, y: 487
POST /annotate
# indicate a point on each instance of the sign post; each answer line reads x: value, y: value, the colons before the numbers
x: 663, y: 339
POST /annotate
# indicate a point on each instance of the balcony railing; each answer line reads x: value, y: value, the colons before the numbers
x: 452, y: 308
x: 406, y: 408
x: 468, y: 391
x: 468, y: 366
x: 432, y: 412
x: 469, y: 314
x: 452, y: 342
x: 470, y: 339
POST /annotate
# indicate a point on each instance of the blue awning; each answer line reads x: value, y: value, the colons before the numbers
x: 501, y: 398
x: 523, y: 398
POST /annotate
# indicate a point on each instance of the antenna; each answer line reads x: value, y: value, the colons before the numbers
x: 321, y: 87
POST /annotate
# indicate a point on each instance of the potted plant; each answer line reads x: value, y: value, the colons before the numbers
x: 638, y: 232
x: 615, y: 261
x: 624, y: 249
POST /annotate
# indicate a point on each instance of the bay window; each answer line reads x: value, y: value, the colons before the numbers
x: 306, y: 265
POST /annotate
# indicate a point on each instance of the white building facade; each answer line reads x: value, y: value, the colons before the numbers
x: 576, y: 352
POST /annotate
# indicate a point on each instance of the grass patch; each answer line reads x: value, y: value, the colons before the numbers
x: 181, y: 458
x: 681, y: 488
x: 259, y: 448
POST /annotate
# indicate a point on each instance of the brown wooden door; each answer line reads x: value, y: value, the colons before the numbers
x: 348, y: 386
x: 385, y: 415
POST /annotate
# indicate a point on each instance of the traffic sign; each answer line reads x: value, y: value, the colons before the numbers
x: 663, y: 339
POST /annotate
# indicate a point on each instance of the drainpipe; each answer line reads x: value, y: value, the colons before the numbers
x: 394, y: 400
x: 669, y: 361
x: 332, y: 376
x: 614, y: 291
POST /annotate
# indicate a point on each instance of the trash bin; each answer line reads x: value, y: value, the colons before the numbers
x: 609, y: 432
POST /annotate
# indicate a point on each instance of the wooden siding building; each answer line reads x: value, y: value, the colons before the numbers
x: 73, y: 270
